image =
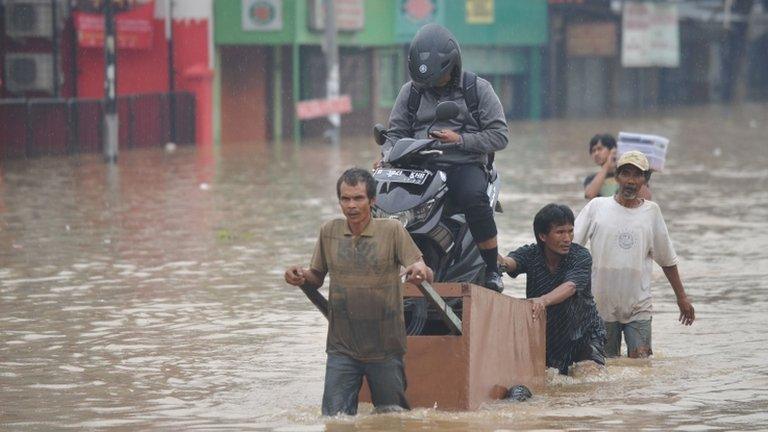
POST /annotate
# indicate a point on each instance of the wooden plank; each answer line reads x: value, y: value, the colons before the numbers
x: 446, y: 312
x: 317, y: 298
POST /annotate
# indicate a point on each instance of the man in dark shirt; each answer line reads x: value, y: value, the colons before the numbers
x: 558, y: 283
x: 366, y: 328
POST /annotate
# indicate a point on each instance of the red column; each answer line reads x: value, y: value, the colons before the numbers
x: 200, y: 80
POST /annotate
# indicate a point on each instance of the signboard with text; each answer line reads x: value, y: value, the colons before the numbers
x: 591, y: 39
x: 650, y: 35
x: 134, y: 28
x: 315, y: 108
x: 480, y: 11
x: 350, y: 15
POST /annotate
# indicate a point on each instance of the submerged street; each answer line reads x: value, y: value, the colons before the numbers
x: 150, y: 295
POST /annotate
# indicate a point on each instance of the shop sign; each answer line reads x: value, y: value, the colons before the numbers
x: 350, y: 15
x: 418, y: 11
x: 134, y: 28
x: 650, y: 35
x: 591, y: 40
x: 262, y: 15
x: 315, y: 108
x: 412, y: 14
x: 479, y: 11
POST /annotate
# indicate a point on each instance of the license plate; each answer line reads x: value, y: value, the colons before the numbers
x: 401, y: 175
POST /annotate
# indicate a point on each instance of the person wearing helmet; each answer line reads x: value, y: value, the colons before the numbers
x: 434, y: 65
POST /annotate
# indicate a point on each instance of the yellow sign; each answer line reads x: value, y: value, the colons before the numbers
x: 480, y: 11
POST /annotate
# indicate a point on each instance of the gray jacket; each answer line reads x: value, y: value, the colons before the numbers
x: 476, y: 143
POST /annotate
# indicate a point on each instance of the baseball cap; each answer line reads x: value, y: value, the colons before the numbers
x: 635, y: 158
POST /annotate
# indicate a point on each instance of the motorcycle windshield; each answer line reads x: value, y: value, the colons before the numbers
x: 393, y: 197
x: 406, y: 146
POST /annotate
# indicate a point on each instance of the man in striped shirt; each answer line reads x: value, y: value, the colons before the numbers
x: 558, y: 284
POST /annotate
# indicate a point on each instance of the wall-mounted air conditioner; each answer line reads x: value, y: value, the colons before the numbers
x: 29, y: 18
x: 29, y: 72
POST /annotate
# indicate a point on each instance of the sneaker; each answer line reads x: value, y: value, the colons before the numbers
x: 494, y: 281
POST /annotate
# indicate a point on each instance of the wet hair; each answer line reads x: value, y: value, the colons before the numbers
x: 551, y: 215
x: 607, y: 140
x: 355, y: 175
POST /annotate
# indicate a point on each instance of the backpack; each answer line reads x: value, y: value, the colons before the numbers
x: 468, y: 87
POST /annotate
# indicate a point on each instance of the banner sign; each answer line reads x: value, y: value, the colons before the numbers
x: 134, y: 28
x: 314, y: 108
x: 350, y: 15
x: 480, y: 11
x: 591, y: 39
x: 262, y: 15
x: 650, y: 35
x: 654, y: 147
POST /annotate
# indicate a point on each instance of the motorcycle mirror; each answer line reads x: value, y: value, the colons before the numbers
x: 446, y: 110
x: 379, y: 134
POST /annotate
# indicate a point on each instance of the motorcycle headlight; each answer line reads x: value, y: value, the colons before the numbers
x: 405, y: 217
x: 410, y: 216
x: 422, y: 212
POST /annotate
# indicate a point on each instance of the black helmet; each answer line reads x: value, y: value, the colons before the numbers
x: 433, y: 53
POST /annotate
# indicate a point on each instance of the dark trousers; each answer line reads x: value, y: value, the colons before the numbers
x: 344, y: 377
x: 592, y: 348
x: 467, y: 189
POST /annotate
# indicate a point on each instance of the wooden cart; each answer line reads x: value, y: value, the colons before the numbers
x: 489, y: 344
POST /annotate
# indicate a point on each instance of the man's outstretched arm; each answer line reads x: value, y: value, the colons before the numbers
x: 298, y: 276
x: 556, y: 296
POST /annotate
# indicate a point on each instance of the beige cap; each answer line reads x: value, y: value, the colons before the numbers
x: 635, y: 158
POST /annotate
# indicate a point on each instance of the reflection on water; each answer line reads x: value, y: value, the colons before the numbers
x: 150, y: 295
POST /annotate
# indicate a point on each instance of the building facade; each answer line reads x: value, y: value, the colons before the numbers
x: 269, y: 57
x: 54, y: 50
x: 612, y: 57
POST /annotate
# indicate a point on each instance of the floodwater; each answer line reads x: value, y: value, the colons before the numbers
x: 150, y: 295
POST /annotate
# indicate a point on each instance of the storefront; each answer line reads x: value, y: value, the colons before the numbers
x: 270, y: 50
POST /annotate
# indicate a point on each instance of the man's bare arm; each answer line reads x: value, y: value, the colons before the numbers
x: 556, y: 296
x: 418, y: 272
x: 687, y: 313
x: 299, y: 276
x: 507, y: 264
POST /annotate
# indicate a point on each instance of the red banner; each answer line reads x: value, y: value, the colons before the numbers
x: 315, y: 108
x: 134, y: 28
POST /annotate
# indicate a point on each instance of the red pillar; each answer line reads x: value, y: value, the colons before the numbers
x: 200, y: 80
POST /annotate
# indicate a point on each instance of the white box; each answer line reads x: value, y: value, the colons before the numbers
x: 653, y: 146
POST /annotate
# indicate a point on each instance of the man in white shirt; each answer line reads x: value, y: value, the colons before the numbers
x: 626, y: 234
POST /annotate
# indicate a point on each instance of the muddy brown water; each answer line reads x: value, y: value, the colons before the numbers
x: 149, y: 296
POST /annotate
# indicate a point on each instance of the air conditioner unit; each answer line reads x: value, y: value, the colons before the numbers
x: 29, y: 18
x: 29, y: 72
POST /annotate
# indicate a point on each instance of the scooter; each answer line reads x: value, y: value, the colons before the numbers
x: 412, y: 189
